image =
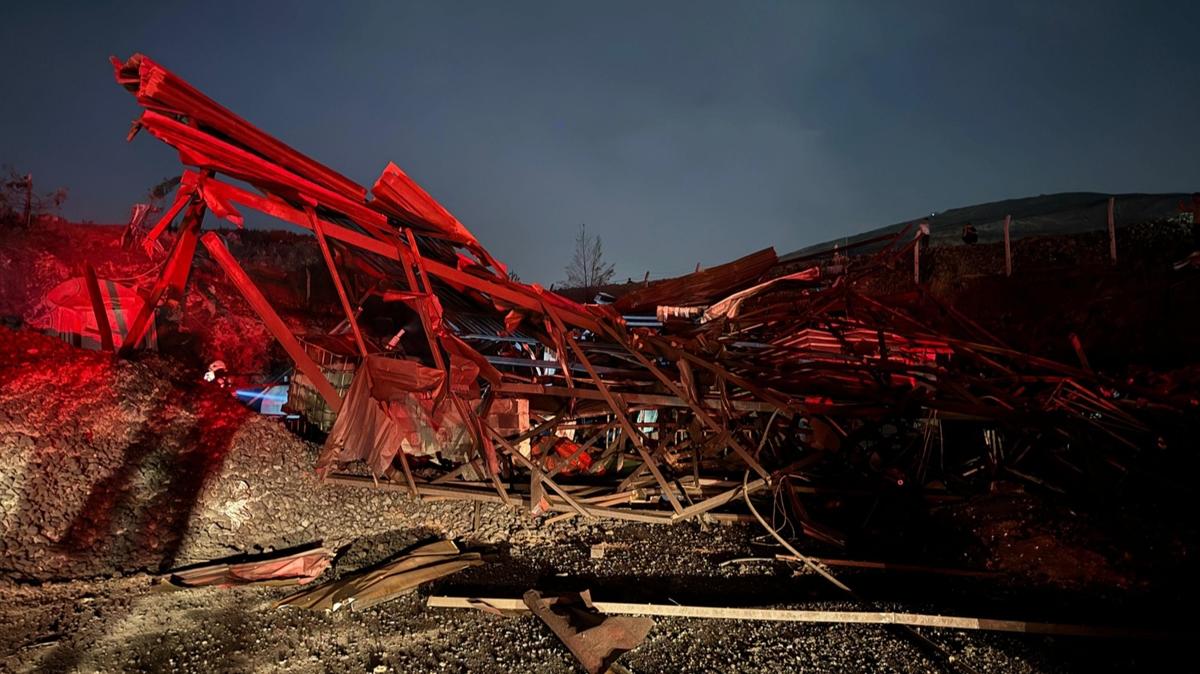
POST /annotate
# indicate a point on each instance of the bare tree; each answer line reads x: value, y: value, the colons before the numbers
x: 588, y: 269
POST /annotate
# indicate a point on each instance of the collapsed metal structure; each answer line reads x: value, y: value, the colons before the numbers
x: 798, y: 381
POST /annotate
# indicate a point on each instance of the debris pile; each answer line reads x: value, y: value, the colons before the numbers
x: 386, y: 581
x: 804, y: 382
x: 296, y: 568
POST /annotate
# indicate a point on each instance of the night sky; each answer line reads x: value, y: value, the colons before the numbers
x: 680, y: 132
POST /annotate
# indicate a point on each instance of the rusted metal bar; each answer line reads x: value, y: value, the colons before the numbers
x: 700, y: 413
x: 618, y: 411
x: 807, y: 616
x: 178, y: 262
x: 319, y: 233
x: 719, y: 500
x: 1112, y: 229
x: 270, y: 319
x: 408, y: 476
x: 1007, y: 246
x: 99, y: 308
x: 652, y: 399
x: 537, y: 472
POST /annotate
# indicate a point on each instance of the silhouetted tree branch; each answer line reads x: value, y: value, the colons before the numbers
x: 588, y: 269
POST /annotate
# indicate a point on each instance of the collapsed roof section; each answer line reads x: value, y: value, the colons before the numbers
x: 748, y: 375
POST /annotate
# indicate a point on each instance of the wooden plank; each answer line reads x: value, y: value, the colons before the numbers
x: 785, y: 408
x: 270, y: 319
x: 449, y: 477
x: 213, y: 153
x: 428, y: 490
x: 917, y: 260
x: 155, y: 86
x: 98, y: 307
x: 828, y: 617
x: 408, y: 476
x: 177, y: 280
x: 182, y: 198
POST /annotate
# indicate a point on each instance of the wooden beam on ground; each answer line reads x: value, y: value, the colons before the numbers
x: 270, y: 319
x: 655, y: 399
x: 830, y: 617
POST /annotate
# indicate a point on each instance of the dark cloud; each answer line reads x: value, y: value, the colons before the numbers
x: 681, y: 132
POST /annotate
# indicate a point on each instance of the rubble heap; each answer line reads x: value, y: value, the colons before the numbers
x: 738, y: 384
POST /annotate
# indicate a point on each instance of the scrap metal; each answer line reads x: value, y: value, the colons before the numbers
x: 799, y: 379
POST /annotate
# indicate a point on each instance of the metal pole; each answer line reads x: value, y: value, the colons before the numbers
x: 272, y: 321
x: 1112, y: 230
x: 1007, y: 247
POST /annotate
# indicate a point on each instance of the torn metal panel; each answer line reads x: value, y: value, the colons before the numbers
x: 595, y: 639
x: 293, y: 569
x: 701, y: 287
x: 386, y: 581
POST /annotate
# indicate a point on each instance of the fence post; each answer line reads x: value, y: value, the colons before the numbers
x: 1112, y: 230
x: 922, y: 231
x: 1007, y: 247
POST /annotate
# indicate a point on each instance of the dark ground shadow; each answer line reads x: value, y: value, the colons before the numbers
x: 138, y: 516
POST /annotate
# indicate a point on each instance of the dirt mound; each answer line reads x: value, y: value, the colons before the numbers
x: 109, y: 466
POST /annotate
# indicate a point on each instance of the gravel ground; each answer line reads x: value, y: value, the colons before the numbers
x: 111, y: 472
x: 128, y: 624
